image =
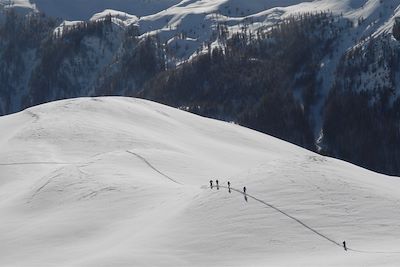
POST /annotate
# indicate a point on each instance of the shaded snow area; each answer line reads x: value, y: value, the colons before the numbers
x: 124, y: 182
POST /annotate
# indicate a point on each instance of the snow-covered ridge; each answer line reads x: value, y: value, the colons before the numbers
x: 196, y: 20
x: 124, y: 17
x: 163, y: 14
x: 121, y: 182
x: 191, y: 23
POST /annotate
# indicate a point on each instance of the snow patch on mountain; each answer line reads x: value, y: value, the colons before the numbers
x: 18, y: 4
x: 121, y: 17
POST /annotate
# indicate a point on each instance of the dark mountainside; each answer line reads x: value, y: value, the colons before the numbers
x: 265, y: 80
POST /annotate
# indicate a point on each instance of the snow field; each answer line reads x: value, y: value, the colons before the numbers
x: 120, y: 181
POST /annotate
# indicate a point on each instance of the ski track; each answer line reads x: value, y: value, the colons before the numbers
x: 154, y: 168
x: 305, y: 225
x: 86, y: 186
x: 37, y: 163
x: 44, y: 185
x: 233, y: 189
x: 48, y: 181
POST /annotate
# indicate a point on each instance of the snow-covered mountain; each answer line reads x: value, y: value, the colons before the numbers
x: 122, y: 182
x: 188, y: 28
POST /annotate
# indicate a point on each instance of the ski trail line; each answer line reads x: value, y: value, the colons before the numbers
x: 152, y: 167
x: 373, y: 252
x: 307, y: 226
x: 287, y: 215
x: 37, y: 163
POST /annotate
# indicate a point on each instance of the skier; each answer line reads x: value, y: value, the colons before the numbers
x: 211, y: 184
x: 244, y: 190
x: 344, y: 245
x: 216, y: 181
x: 229, y: 187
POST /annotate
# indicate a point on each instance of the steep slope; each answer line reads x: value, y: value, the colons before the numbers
x: 120, y: 181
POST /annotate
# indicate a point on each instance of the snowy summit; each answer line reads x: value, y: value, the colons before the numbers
x: 125, y: 182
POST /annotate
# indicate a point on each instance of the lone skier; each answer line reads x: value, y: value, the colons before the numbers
x: 211, y: 184
x: 229, y: 186
x: 244, y: 190
x: 344, y: 245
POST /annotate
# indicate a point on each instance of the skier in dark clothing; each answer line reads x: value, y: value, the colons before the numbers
x: 229, y: 186
x: 211, y: 184
x: 244, y: 190
x: 344, y: 245
x: 217, y: 184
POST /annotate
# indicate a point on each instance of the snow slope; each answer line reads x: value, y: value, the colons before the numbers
x: 123, y: 182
